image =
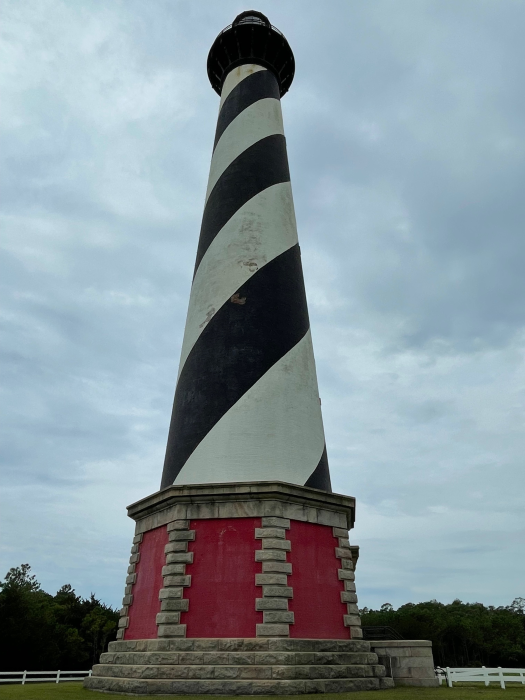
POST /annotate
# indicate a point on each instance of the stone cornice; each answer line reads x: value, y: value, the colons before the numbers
x: 243, y: 492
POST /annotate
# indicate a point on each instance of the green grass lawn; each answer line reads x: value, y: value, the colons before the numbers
x: 75, y: 691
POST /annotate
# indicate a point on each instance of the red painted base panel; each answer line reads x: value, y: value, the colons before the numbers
x: 143, y: 611
x: 316, y: 588
x: 222, y: 592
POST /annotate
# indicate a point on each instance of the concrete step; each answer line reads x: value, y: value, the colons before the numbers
x: 223, y: 658
x: 251, y: 644
x: 267, y: 672
x: 269, y: 666
x: 233, y: 687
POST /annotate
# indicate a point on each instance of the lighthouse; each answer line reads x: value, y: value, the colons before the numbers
x: 247, y: 405
x: 242, y: 577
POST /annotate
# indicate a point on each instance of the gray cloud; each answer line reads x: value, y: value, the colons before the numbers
x: 406, y: 145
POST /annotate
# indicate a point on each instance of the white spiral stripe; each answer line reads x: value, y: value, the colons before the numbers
x: 262, y: 118
x: 274, y: 432
x: 236, y: 76
x: 258, y: 232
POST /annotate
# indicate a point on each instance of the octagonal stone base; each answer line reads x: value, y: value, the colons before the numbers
x: 238, y: 667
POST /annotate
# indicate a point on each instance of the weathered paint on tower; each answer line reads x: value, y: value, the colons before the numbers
x: 247, y: 403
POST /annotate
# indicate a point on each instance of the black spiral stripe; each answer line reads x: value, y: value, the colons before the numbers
x: 252, y: 89
x: 265, y: 319
x: 260, y: 166
x: 320, y: 477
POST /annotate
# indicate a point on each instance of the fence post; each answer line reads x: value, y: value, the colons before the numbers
x: 449, y: 678
x: 485, y: 673
x: 58, y: 677
x: 502, y: 682
x: 24, y: 678
x: 90, y: 672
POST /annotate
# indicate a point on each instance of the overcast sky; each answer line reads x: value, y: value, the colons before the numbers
x: 406, y: 138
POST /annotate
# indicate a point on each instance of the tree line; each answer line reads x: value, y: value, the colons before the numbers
x: 40, y: 632
x: 43, y: 632
x: 462, y: 634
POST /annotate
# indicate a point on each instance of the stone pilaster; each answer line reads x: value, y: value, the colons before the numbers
x: 175, y: 579
x: 274, y: 578
x: 343, y: 552
x: 130, y: 582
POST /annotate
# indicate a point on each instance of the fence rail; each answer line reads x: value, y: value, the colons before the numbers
x: 42, y: 676
x: 481, y: 675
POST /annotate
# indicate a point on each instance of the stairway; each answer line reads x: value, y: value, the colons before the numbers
x: 275, y: 666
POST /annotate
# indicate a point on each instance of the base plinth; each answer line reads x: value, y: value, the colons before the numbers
x: 254, y: 559
x: 238, y: 667
x: 240, y: 589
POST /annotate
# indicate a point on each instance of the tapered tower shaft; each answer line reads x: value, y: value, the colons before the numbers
x: 247, y: 404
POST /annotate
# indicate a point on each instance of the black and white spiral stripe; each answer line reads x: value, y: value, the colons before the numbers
x: 246, y: 405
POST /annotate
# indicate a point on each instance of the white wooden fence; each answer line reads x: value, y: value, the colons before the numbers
x: 42, y: 676
x: 481, y: 675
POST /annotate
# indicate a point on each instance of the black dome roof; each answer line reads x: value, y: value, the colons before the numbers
x: 251, y: 39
